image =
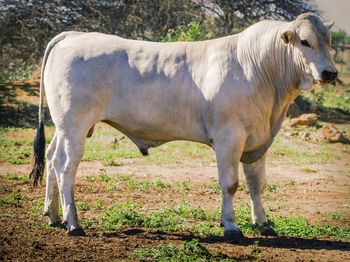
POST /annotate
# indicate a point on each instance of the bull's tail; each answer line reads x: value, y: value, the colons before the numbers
x: 39, y: 139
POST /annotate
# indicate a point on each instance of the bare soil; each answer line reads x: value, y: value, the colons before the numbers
x: 24, y: 238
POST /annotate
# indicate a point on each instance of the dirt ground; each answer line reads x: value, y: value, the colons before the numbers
x: 24, y: 238
x: 319, y: 191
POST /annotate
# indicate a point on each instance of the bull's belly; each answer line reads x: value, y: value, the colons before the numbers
x: 159, y: 129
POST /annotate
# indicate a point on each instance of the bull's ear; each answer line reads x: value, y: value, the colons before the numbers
x: 287, y: 37
x: 329, y: 25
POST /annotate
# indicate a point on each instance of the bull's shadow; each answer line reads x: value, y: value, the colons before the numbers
x: 274, y: 242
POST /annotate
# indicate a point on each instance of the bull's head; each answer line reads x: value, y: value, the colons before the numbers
x: 311, y: 39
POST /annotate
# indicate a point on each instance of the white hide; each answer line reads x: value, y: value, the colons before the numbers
x: 230, y: 93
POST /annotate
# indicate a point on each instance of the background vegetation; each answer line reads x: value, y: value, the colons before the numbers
x: 27, y: 25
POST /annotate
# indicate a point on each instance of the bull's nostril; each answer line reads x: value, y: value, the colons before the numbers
x: 329, y: 75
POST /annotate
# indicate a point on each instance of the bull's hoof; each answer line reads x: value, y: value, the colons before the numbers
x: 54, y: 221
x: 233, y: 234
x: 267, y: 230
x: 76, y: 232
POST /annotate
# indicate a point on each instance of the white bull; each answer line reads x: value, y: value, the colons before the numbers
x: 230, y: 93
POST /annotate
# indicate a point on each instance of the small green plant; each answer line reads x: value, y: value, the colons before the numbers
x: 110, y: 161
x: 124, y: 214
x: 158, y: 184
x: 82, y: 205
x: 16, y: 197
x: 37, y: 209
x: 122, y: 177
x: 270, y: 188
x: 102, y: 175
x: 295, y: 226
x: 214, y: 187
x: 99, y: 204
x: 255, y: 251
x: 192, y: 32
x: 86, y: 223
x: 12, y: 151
x: 337, y: 215
x: 23, y: 178
x: 91, y: 178
x: 183, y: 186
x: 8, y: 214
x: 147, y: 185
x: 191, y: 250
x: 111, y: 185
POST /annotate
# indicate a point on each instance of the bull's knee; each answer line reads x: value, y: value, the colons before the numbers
x: 230, y: 186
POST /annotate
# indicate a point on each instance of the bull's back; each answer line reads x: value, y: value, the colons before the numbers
x: 145, y: 88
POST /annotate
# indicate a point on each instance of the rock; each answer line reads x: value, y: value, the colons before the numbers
x: 304, y: 120
x: 333, y: 135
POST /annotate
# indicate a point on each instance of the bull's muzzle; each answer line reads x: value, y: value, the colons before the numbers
x: 329, y: 76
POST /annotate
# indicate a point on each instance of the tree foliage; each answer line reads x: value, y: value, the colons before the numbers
x: 27, y: 25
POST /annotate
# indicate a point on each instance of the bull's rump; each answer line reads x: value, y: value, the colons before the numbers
x: 146, y: 89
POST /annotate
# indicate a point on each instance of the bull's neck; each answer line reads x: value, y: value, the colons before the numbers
x: 271, y: 67
x: 268, y: 64
x: 285, y: 90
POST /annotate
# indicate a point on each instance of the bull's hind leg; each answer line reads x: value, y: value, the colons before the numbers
x: 69, y: 150
x: 256, y: 180
x: 228, y: 150
x: 51, y: 196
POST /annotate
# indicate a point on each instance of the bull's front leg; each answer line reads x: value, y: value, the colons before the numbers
x: 228, y: 150
x: 256, y: 180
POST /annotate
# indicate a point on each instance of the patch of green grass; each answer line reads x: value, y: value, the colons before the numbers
x: 14, y: 151
x: 91, y: 178
x: 168, y: 219
x: 111, y: 185
x: 255, y: 251
x: 18, y: 150
x: 23, y: 178
x: 183, y: 186
x: 204, y: 222
x: 297, y: 226
x: 175, y: 152
x: 107, y: 144
x: 86, y: 223
x: 124, y: 214
x: 301, y: 152
x: 191, y: 250
x: 99, y: 204
x: 270, y: 188
x: 147, y: 185
x: 110, y: 161
x: 330, y: 97
x: 214, y: 187
x: 122, y: 177
x: 15, y: 197
x: 8, y: 214
x: 186, y: 211
x: 82, y: 206
x: 337, y: 215
x: 102, y: 175
x: 37, y: 209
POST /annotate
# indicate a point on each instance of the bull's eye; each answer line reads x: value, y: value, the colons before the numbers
x: 305, y: 43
